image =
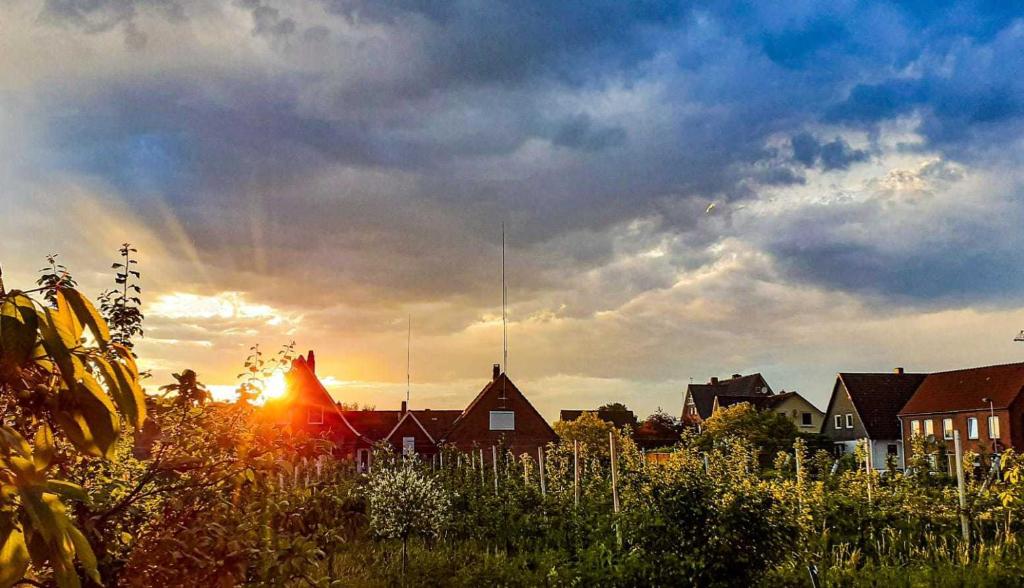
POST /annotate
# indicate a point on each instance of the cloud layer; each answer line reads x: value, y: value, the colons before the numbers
x: 348, y: 164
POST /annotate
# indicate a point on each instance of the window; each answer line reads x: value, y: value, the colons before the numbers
x: 892, y: 449
x: 993, y: 427
x: 408, y: 445
x: 929, y: 428
x: 972, y: 427
x: 838, y: 449
x: 915, y: 428
x: 503, y: 420
x: 805, y: 419
x: 947, y: 428
x: 839, y: 421
x: 849, y: 420
x: 315, y: 416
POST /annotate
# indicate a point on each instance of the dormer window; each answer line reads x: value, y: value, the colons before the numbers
x: 315, y: 415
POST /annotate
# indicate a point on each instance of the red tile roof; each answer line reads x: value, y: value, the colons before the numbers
x: 964, y: 389
x: 878, y: 399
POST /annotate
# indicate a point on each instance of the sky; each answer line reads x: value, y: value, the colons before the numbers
x: 688, y: 190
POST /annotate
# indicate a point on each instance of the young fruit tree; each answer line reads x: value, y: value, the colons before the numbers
x: 405, y: 502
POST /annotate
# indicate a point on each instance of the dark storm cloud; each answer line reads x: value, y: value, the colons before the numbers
x: 563, y: 118
x: 835, y: 154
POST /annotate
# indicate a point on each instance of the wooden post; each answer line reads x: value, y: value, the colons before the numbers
x: 482, y: 480
x: 576, y: 472
x: 540, y: 465
x: 706, y: 464
x: 615, y: 473
x: 494, y: 461
x: 440, y: 458
x: 867, y: 465
x: 526, y: 472
x: 799, y: 480
x: 961, y: 487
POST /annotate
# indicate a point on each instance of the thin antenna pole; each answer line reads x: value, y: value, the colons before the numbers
x: 504, y: 305
x: 408, y: 360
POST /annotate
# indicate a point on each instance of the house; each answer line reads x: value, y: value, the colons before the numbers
x: 699, y: 399
x: 866, y: 406
x: 984, y: 404
x: 797, y: 409
x: 500, y: 415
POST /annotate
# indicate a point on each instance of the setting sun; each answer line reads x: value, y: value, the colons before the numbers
x: 273, y: 387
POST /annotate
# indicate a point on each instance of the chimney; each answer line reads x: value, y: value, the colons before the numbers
x: 405, y: 407
x: 898, y: 371
x: 714, y: 380
x: 496, y: 372
x: 311, y: 361
x: 734, y: 376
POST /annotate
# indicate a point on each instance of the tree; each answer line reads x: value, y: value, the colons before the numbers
x: 121, y: 306
x: 618, y: 407
x: 588, y: 430
x: 69, y: 398
x: 766, y: 430
x: 405, y: 502
x: 663, y: 421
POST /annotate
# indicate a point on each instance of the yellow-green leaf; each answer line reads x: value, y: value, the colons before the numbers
x: 67, y: 490
x: 42, y: 454
x: 14, y: 556
x: 125, y: 389
x: 87, y: 315
x: 66, y: 322
x: 83, y: 550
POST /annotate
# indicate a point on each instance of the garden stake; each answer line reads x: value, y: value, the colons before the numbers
x: 961, y: 488
x: 540, y: 464
x: 576, y: 472
x: 494, y: 462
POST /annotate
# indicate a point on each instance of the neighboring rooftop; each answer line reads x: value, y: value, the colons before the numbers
x: 703, y: 395
x: 879, y: 397
x: 965, y: 389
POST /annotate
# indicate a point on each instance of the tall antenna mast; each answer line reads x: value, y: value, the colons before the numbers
x: 504, y: 305
x: 408, y: 360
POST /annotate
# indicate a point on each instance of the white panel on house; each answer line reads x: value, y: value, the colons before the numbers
x: 315, y: 415
x: 503, y: 420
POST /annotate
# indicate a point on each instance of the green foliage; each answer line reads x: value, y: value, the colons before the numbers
x: 766, y: 430
x: 69, y: 396
x: 55, y: 276
x: 122, y: 305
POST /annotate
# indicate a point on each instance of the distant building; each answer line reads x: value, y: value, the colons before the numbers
x: 699, y: 399
x: 866, y: 406
x: 500, y: 415
x: 805, y: 416
x: 984, y: 404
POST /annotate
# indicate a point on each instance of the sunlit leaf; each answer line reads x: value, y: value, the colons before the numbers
x: 84, y: 552
x: 66, y: 322
x: 42, y: 453
x: 67, y: 490
x: 87, y: 314
x: 14, y: 558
